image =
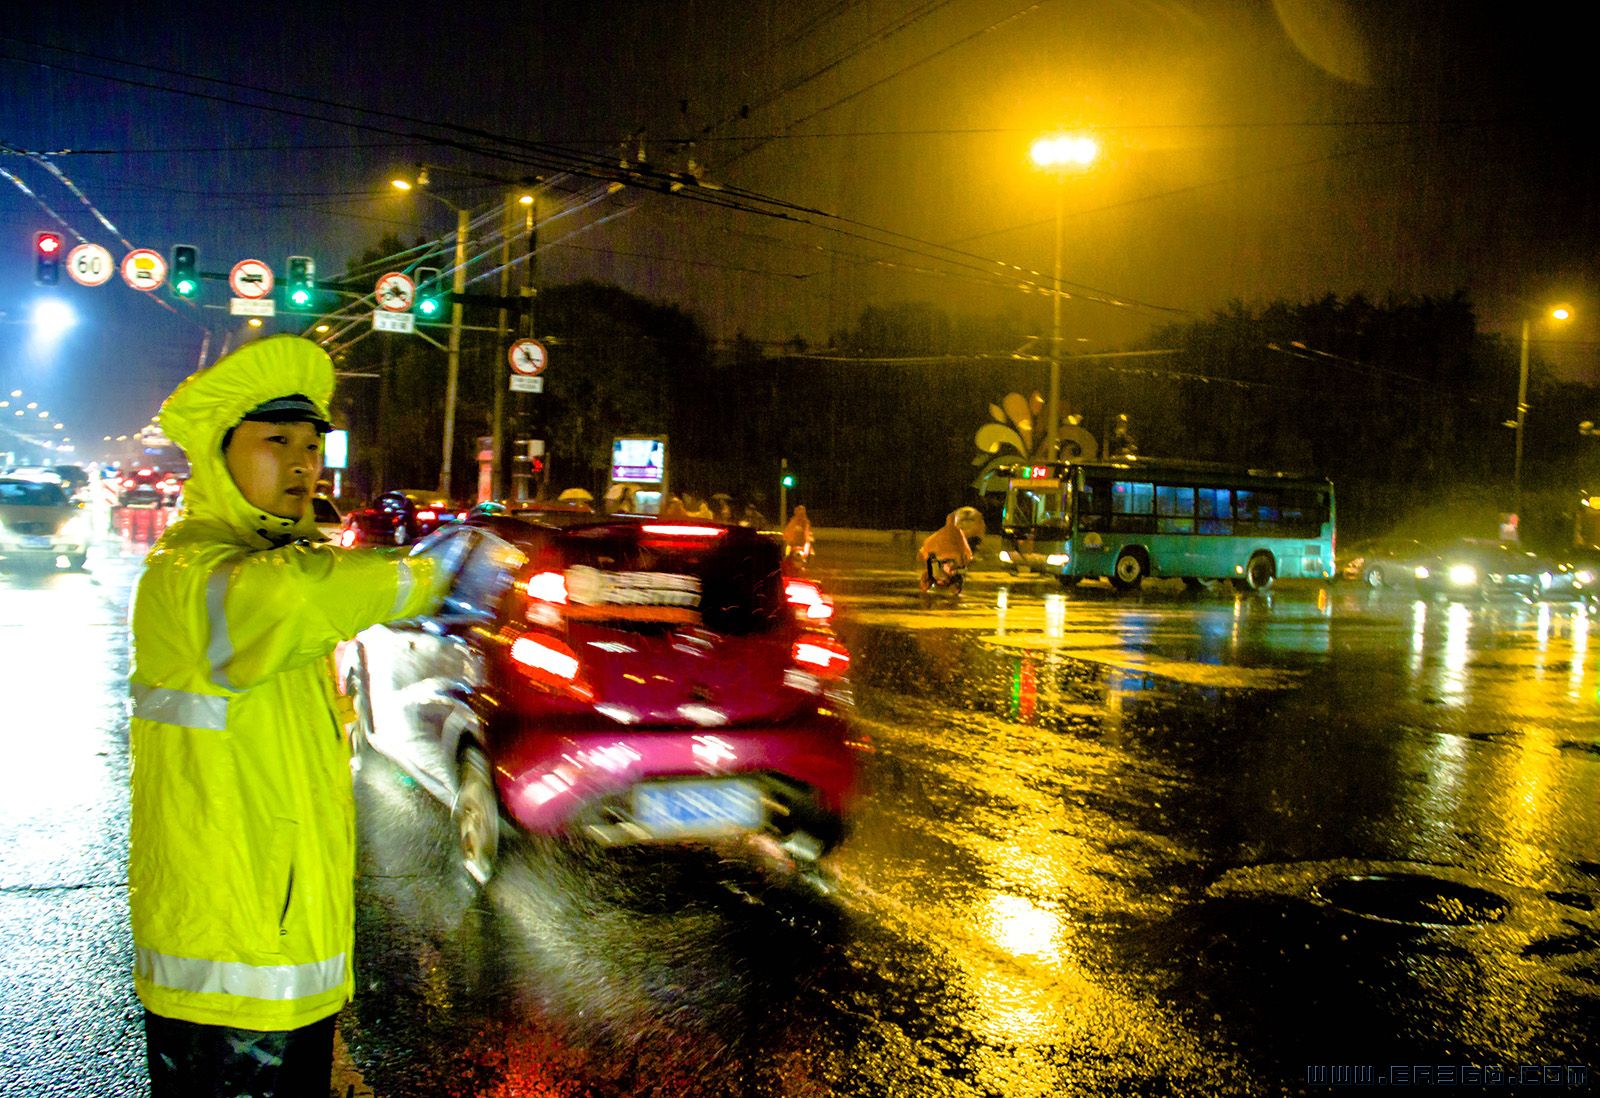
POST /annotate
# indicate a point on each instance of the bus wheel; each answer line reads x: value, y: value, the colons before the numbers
x: 1129, y: 572
x: 1197, y: 583
x: 1068, y: 582
x: 1258, y: 574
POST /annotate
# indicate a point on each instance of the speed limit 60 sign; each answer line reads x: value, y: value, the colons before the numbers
x: 90, y: 265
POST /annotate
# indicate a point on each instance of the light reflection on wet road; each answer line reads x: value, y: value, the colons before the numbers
x: 1114, y: 845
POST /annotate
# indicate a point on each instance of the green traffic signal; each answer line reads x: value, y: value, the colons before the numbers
x: 430, y: 293
x: 300, y: 288
x: 788, y: 480
x: 185, y: 280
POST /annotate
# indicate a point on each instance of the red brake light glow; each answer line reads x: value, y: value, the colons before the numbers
x: 427, y: 516
x: 548, y: 587
x: 676, y: 530
x: 348, y: 538
x: 548, y: 655
x: 823, y: 653
x: 806, y: 595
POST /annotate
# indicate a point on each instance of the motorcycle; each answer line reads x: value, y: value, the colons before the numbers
x: 943, y: 574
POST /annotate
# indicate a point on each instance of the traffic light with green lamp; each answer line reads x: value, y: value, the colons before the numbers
x: 185, y: 279
x: 430, y: 300
x: 788, y: 480
x: 300, y: 287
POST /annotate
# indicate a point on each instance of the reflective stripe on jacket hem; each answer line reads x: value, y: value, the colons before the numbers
x: 272, y: 982
x: 157, y: 703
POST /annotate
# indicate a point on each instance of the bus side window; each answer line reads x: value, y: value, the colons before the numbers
x: 1133, y: 506
x: 1174, y: 510
x: 1302, y: 513
x: 1215, y: 510
x: 1094, y: 505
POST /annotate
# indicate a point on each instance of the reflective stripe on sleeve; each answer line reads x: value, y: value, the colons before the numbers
x: 157, y: 703
x: 219, y: 649
x: 402, y: 589
x: 274, y: 982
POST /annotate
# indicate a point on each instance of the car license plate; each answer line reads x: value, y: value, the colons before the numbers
x: 697, y: 808
x: 34, y: 541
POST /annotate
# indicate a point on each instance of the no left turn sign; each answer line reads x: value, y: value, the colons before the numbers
x: 528, y: 357
x: 250, y: 279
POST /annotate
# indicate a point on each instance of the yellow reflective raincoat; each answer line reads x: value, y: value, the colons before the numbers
x: 242, y: 861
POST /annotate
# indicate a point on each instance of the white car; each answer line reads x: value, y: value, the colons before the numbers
x: 328, y: 518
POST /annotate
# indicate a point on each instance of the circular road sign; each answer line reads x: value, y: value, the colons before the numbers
x: 250, y: 278
x: 90, y: 265
x: 529, y: 357
x: 396, y: 291
x: 144, y: 269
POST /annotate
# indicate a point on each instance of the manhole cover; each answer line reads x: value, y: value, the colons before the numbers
x: 1413, y: 899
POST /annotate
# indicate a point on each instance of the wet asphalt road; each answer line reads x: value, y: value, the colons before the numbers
x: 1134, y: 845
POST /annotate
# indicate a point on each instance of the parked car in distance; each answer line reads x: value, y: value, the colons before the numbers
x: 39, y: 524
x: 141, y: 487
x: 1384, y: 562
x: 1479, y: 569
x: 398, y: 517
x: 618, y: 681
x: 326, y: 515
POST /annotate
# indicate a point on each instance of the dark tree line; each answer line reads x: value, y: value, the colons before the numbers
x: 1400, y: 402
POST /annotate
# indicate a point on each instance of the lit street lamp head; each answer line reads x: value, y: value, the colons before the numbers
x: 1064, y: 151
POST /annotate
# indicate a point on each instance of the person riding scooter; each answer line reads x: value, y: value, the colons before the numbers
x: 945, y: 555
x: 797, y: 537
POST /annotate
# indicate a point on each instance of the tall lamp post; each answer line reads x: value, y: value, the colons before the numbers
x: 1059, y: 153
x: 1560, y: 312
x: 458, y: 286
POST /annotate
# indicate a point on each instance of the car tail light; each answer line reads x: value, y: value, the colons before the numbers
x: 547, y: 587
x: 807, y: 598
x: 348, y: 538
x: 427, y: 516
x: 821, y: 654
x: 680, y: 530
x: 550, y: 662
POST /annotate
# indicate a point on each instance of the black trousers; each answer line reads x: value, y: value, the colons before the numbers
x: 190, y: 1060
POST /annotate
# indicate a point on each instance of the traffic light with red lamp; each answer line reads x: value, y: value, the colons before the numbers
x: 47, y: 258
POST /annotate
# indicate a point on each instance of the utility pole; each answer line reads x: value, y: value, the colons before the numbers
x: 501, y: 379
x: 458, y: 286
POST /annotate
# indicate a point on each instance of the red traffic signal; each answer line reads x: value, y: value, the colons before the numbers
x: 47, y: 258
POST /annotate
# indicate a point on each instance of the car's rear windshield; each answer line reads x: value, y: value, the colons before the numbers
x: 29, y: 493
x: 731, y: 583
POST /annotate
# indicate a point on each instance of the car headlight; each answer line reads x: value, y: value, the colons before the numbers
x: 1546, y: 579
x: 76, y: 527
x: 1055, y: 559
x: 1005, y: 556
x: 1463, y: 575
x: 1584, y: 576
x: 1422, y: 572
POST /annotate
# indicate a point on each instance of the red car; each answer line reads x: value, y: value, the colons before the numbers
x: 620, y: 680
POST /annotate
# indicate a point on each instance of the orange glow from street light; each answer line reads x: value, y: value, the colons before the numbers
x: 1561, y: 312
x: 400, y: 184
x: 1064, y: 150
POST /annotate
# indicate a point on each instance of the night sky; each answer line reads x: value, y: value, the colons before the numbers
x: 1249, y: 151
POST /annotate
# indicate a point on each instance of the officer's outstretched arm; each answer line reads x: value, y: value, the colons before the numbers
x: 270, y: 611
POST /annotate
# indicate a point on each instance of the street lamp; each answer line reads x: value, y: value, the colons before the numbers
x: 1560, y: 312
x: 1059, y: 153
x: 458, y: 286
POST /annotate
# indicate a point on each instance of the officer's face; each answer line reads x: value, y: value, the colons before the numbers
x: 275, y: 465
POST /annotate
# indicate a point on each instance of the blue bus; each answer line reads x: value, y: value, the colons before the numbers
x: 1124, y: 519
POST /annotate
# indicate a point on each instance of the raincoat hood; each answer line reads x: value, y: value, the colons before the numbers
x: 213, y: 400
